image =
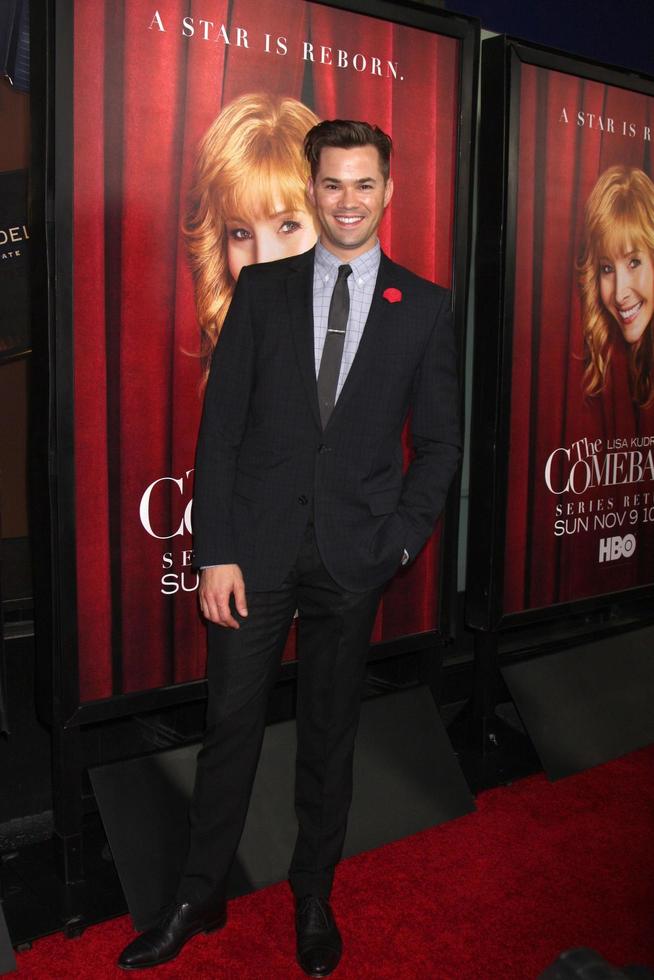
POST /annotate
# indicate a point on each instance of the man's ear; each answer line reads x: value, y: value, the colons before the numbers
x: 388, y: 191
x: 311, y: 191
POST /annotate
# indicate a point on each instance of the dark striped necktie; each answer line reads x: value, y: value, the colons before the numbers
x: 332, y: 352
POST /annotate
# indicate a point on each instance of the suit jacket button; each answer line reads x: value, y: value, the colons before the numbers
x: 322, y: 448
x: 302, y: 499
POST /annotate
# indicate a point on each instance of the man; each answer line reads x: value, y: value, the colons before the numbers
x: 300, y: 502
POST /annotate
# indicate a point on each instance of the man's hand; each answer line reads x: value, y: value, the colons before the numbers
x: 217, y: 584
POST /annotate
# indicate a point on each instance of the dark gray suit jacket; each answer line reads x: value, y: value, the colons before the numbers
x: 264, y: 464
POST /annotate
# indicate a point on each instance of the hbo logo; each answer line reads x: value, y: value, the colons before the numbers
x: 612, y: 548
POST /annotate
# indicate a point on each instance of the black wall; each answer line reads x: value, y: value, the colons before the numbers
x: 603, y: 30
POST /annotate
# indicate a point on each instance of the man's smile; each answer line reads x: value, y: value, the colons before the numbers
x: 348, y: 219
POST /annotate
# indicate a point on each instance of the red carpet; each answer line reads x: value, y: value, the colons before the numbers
x: 495, y: 895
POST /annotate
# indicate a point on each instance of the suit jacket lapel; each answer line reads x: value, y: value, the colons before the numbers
x: 360, y: 365
x: 299, y: 286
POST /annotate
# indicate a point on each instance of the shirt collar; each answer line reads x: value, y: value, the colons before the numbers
x: 363, y: 267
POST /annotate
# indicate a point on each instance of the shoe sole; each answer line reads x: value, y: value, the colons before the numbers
x: 325, y: 973
x: 210, y: 927
x: 318, y: 975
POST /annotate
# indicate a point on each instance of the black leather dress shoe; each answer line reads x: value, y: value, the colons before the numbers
x: 319, y: 943
x: 165, y: 940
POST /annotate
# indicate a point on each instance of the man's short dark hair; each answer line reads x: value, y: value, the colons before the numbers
x: 344, y: 134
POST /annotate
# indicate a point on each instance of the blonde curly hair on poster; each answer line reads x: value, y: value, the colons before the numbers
x: 618, y: 229
x: 250, y: 167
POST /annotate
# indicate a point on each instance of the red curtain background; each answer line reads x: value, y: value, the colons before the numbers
x: 559, y: 164
x: 142, y: 99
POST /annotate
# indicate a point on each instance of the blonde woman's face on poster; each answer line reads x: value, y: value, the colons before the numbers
x: 265, y: 238
x: 627, y: 289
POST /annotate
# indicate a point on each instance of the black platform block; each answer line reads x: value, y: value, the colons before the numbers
x: 406, y: 779
x: 587, y: 704
x: 586, y: 964
x: 7, y: 958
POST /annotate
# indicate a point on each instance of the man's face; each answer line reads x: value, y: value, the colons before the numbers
x: 349, y: 194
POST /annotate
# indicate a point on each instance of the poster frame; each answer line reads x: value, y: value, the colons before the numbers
x: 498, y: 158
x: 52, y: 316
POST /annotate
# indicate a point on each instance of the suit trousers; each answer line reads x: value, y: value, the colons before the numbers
x: 334, y: 636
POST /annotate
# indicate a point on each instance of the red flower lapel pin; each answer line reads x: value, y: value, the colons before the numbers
x: 392, y: 295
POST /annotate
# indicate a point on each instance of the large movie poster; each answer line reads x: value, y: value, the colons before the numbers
x: 188, y: 123
x: 580, y: 500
